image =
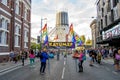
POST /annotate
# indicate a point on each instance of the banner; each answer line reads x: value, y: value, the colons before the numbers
x: 61, y: 44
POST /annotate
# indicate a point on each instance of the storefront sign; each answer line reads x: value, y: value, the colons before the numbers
x: 115, y: 31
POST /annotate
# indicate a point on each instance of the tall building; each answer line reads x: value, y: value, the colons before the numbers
x: 108, y: 22
x: 93, y: 27
x: 62, y: 26
x: 15, y: 25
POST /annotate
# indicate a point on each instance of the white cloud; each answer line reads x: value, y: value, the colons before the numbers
x: 79, y: 12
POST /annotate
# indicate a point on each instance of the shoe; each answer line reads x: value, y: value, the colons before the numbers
x: 80, y: 71
x: 42, y: 73
x: 90, y: 65
x: 117, y: 70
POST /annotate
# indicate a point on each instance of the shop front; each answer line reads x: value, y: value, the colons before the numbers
x: 112, y: 36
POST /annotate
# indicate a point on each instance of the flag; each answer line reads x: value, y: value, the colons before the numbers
x: 73, y: 38
x: 44, y: 28
x: 71, y: 31
x: 80, y: 43
x: 46, y: 40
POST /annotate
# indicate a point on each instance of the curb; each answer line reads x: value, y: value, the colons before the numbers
x: 13, y: 67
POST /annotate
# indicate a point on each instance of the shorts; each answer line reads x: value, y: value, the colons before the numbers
x: 116, y: 61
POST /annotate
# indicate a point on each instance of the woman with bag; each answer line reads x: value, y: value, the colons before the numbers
x: 117, y: 60
x: 32, y: 58
x: 82, y: 57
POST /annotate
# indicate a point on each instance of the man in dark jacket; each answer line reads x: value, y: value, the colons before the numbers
x: 43, y: 60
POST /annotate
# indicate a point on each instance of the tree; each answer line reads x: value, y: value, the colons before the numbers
x: 83, y: 38
x: 33, y: 45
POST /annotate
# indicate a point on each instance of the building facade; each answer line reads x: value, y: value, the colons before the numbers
x: 94, y: 30
x: 62, y: 26
x: 108, y: 22
x: 15, y: 25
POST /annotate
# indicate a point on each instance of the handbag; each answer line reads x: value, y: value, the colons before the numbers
x: 117, y: 56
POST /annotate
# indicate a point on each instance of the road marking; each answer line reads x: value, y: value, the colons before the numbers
x: 115, y: 72
x: 96, y: 65
x: 63, y: 73
x: 64, y: 62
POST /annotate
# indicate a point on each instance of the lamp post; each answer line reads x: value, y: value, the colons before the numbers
x: 41, y: 31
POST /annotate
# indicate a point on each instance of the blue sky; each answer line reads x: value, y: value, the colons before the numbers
x: 79, y: 12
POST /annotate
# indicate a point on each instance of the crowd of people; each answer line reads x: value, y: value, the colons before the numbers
x: 43, y: 56
x: 96, y: 55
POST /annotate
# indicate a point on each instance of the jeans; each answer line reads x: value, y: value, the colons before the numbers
x: 43, y: 66
x: 32, y: 60
x: 80, y: 65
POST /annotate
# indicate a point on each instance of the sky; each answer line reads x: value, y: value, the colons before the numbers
x: 80, y: 13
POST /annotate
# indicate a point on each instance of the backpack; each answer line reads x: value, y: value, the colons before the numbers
x: 40, y: 55
x: 84, y: 57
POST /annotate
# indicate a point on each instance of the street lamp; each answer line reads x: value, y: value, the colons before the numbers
x: 41, y: 31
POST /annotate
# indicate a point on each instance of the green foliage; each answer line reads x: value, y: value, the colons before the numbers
x: 35, y: 46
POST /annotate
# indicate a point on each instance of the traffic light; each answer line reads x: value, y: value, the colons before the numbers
x: 38, y: 39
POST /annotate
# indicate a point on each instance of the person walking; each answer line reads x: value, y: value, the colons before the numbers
x: 43, y: 59
x: 12, y: 55
x: 99, y: 56
x: 117, y: 60
x: 22, y: 57
x: 91, y: 56
x: 81, y: 60
x: 32, y: 58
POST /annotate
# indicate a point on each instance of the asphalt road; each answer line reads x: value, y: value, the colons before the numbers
x: 64, y: 69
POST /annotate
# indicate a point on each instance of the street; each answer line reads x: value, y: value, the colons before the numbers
x: 64, y: 69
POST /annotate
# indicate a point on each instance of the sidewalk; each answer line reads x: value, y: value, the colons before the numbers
x: 10, y: 65
x: 109, y: 61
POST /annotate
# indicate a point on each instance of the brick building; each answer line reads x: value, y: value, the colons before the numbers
x: 15, y: 26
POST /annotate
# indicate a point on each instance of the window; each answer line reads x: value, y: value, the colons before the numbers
x: 115, y: 2
x: 101, y: 24
x: 0, y: 23
x: 5, y: 37
x: 4, y: 2
x: 104, y: 2
x: 106, y: 20
x: 17, y: 7
x: 6, y: 24
x: 0, y: 37
x: 3, y: 23
x: 109, y: 6
x: 102, y: 12
x: 25, y: 14
x: 98, y: 7
x: 112, y: 16
x: 17, y: 35
x: 25, y: 37
x: 16, y: 40
x: 20, y: 8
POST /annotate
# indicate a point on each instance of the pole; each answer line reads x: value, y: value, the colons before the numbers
x: 41, y: 35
